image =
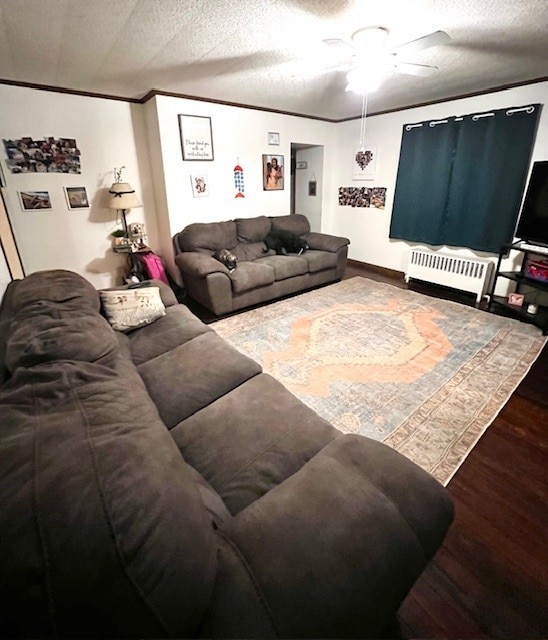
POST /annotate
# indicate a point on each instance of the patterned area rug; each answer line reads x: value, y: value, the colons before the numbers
x: 423, y: 375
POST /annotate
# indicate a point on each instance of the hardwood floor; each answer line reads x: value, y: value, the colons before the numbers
x: 489, y: 579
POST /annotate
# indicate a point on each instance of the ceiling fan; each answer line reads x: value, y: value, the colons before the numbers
x: 367, y: 58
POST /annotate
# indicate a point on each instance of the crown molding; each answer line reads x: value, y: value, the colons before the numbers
x: 157, y: 92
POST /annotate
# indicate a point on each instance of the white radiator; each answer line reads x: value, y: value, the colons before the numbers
x: 465, y: 274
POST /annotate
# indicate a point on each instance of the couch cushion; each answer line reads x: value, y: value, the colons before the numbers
x: 286, y: 266
x: 178, y: 326
x: 104, y: 533
x: 247, y: 251
x: 251, y: 439
x: 62, y: 289
x: 212, y: 501
x: 251, y: 275
x: 53, y: 315
x: 45, y: 339
x: 296, y: 223
x: 208, y: 237
x: 252, y: 229
x: 326, y: 242
x: 200, y: 370
x: 319, y: 260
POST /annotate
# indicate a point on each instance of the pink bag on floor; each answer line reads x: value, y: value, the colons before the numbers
x: 153, y: 267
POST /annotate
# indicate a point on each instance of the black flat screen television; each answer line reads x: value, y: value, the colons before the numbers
x: 533, y: 221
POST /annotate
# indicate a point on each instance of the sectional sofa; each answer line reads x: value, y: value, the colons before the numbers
x: 154, y: 482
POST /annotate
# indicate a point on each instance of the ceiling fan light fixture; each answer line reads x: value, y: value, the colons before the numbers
x: 362, y: 80
x: 370, y: 38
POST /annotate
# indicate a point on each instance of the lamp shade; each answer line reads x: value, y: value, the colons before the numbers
x: 122, y: 196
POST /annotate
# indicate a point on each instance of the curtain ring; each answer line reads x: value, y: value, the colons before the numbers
x: 529, y: 109
x: 476, y: 117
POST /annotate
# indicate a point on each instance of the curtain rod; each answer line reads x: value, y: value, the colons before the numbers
x: 528, y: 109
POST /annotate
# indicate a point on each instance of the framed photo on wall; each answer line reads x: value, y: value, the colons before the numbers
x: 35, y: 200
x: 364, y: 163
x: 77, y: 197
x: 196, y: 137
x: 200, y: 185
x: 273, y: 173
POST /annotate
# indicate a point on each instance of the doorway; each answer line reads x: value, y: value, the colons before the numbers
x: 307, y: 182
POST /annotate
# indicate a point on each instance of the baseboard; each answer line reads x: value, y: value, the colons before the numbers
x: 383, y: 271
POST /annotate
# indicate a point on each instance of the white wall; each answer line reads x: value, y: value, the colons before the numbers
x: 240, y: 136
x: 369, y: 228
x: 310, y: 206
x: 145, y: 138
x: 109, y: 134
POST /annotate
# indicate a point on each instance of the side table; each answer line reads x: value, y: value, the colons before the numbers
x: 133, y: 263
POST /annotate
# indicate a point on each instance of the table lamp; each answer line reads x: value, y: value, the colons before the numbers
x: 122, y: 198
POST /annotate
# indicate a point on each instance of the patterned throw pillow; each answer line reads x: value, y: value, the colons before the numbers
x: 128, y: 309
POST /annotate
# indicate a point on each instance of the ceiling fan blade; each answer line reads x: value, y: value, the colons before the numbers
x: 431, y: 40
x: 310, y: 73
x: 410, y: 69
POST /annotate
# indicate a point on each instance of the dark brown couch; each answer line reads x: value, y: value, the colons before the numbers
x: 259, y: 276
x: 158, y: 484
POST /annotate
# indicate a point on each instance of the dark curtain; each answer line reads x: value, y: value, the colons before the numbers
x: 422, y: 184
x: 460, y: 181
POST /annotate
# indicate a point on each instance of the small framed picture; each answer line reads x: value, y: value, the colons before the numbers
x: 365, y: 164
x: 200, y: 185
x: 35, y: 200
x: 196, y: 137
x: 516, y: 299
x: 273, y: 173
x: 273, y: 138
x: 77, y: 197
x: 312, y: 188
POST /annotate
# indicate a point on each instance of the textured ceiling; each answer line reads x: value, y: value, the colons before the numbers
x: 267, y: 53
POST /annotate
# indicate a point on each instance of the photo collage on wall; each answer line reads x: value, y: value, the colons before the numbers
x: 362, y: 197
x: 49, y: 155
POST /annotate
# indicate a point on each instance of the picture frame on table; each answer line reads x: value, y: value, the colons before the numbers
x: 196, y: 137
x: 516, y: 299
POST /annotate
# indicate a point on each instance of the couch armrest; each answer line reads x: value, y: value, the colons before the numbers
x: 325, y: 242
x: 334, y: 549
x: 198, y: 264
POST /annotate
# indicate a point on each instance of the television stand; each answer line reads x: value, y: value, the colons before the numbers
x: 533, y: 248
x: 531, y: 289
